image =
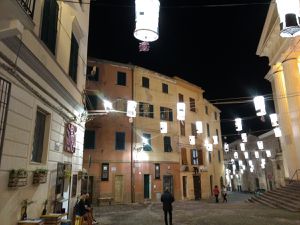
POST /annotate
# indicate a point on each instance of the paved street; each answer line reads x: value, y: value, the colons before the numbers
x: 237, y: 211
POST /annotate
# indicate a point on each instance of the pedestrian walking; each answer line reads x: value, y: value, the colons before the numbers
x: 216, y: 193
x: 167, y: 199
x: 224, y: 194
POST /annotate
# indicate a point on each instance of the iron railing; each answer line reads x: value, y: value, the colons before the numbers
x: 28, y: 6
x: 295, y: 175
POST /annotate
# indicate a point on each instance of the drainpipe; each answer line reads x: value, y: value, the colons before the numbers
x: 131, y: 153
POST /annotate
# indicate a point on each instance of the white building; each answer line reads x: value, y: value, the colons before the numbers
x: 43, y: 54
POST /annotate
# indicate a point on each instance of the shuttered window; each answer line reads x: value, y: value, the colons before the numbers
x: 194, y: 156
x: 165, y: 88
x: 182, y: 127
x: 91, y: 102
x: 192, y: 105
x: 183, y: 156
x: 167, y: 144
x: 38, y: 139
x: 49, y: 24
x: 92, y: 73
x: 120, y: 141
x: 200, y: 157
x: 121, y: 78
x: 73, y: 59
x: 145, y: 82
x: 89, y: 139
x: 180, y: 98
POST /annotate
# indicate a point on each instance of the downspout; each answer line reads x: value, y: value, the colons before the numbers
x: 131, y: 153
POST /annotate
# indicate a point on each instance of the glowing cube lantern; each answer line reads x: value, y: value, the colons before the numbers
x: 263, y: 161
x: 268, y: 153
x: 236, y: 155
x: 274, y: 119
x: 146, y: 20
x: 259, y: 104
x: 192, y: 140
x: 244, y: 167
x: 181, y: 111
x: 238, y: 124
x: 163, y: 127
x: 215, y: 139
x: 231, y: 176
x: 288, y: 11
x: 251, y: 169
x: 199, y: 127
x: 250, y: 163
x: 242, y: 171
x: 232, y: 161
x: 260, y: 145
x: 209, y: 147
x: 246, y: 154
x: 240, y: 162
x: 277, y: 132
x: 242, y: 146
x: 107, y: 105
x: 244, y: 137
x: 256, y: 153
x: 263, y: 166
x: 131, y: 108
x: 226, y: 147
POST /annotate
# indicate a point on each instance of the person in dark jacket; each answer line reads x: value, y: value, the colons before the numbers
x: 167, y: 199
x: 81, y: 209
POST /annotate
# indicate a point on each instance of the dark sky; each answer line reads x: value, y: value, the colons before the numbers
x: 208, y: 46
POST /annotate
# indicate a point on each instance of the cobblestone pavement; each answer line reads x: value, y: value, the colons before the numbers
x: 236, y: 212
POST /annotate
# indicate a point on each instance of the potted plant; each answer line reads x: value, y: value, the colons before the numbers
x: 40, y: 176
x: 22, y: 177
x: 13, y: 178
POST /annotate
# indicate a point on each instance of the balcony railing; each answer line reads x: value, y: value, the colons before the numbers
x: 28, y: 6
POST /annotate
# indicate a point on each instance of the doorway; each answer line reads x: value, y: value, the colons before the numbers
x: 146, y: 186
x: 257, y: 183
x: 87, y: 186
x: 119, y: 188
x: 197, y: 187
x: 168, y: 183
x: 184, y: 186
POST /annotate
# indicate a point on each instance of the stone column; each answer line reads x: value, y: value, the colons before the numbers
x: 292, y: 85
x: 282, y: 109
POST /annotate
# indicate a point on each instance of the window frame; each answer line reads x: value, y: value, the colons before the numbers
x: 165, y: 88
x: 122, y: 135
x: 147, y: 147
x: 157, y: 171
x: 167, y: 144
x: 192, y: 105
x: 166, y: 114
x: 73, y: 61
x: 121, y: 78
x: 182, y: 128
x: 104, y: 173
x: 145, y: 82
x: 144, y: 112
x: 92, y: 146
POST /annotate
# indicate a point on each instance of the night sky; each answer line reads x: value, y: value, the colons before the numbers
x: 204, y: 44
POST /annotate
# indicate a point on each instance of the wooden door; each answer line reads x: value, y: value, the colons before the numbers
x: 197, y: 187
x: 119, y: 188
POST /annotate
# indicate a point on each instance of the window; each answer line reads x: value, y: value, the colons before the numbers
x: 167, y: 144
x: 219, y: 155
x: 165, y: 88
x: 207, y: 130
x: 145, y: 82
x: 216, y: 116
x: 74, y: 185
x: 200, y: 157
x: 121, y: 78
x: 209, y: 157
x: 217, y: 133
x: 147, y: 147
x: 166, y: 114
x: 105, y: 172
x: 91, y: 102
x: 39, y: 143
x: 49, y: 24
x: 206, y: 110
x: 192, y: 105
x: 89, y: 139
x: 146, y: 110
x: 120, y: 141
x: 73, y: 59
x: 92, y: 73
x: 180, y: 98
x: 5, y: 93
x: 157, y: 171
x: 182, y: 128
x: 193, y: 130
x: 194, y: 154
x: 183, y: 157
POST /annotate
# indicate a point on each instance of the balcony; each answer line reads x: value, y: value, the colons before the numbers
x: 28, y: 6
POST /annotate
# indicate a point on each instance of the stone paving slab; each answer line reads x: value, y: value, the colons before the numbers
x: 236, y: 212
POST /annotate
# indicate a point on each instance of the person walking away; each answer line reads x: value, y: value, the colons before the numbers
x: 89, y: 208
x: 216, y: 193
x: 82, y: 211
x: 224, y: 194
x: 167, y: 199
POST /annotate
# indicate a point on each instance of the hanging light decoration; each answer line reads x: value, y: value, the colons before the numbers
x: 236, y: 155
x: 288, y: 11
x: 180, y: 111
x: 215, y: 139
x: 192, y: 140
x: 163, y: 127
x: 263, y: 161
x: 260, y: 145
x: 268, y: 153
x: 250, y: 163
x: 107, y: 105
x: 256, y: 153
x: 240, y: 162
x: 274, y: 119
x: 277, y: 132
x: 251, y: 169
x: 209, y: 147
x: 259, y: 104
x: 238, y: 124
x: 146, y: 22
x: 242, y: 146
x: 199, y: 127
x: 263, y: 166
x: 242, y: 171
x: 131, y: 108
x: 226, y: 147
x: 244, y: 137
x: 246, y: 154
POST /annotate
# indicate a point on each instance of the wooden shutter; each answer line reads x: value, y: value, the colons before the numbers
x: 200, y: 157
x: 38, y: 142
x: 183, y: 156
x: 167, y: 144
x: 120, y: 141
x: 73, y: 59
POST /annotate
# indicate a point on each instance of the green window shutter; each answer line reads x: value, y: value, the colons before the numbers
x: 167, y: 144
x: 73, y: 59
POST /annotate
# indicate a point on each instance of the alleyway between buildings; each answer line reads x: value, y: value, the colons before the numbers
x: 236, y: 212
